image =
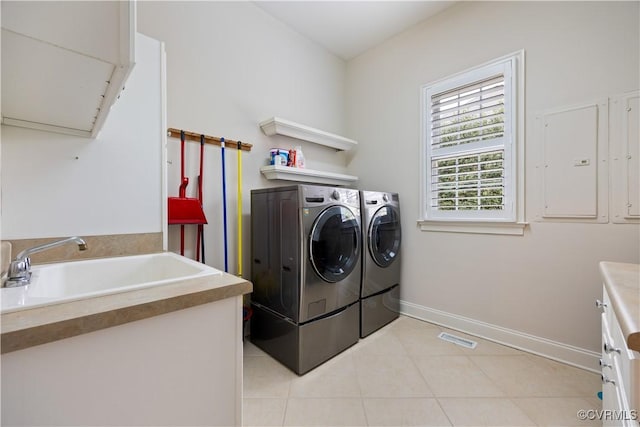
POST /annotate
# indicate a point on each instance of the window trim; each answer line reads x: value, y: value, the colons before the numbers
x: 514, y: 223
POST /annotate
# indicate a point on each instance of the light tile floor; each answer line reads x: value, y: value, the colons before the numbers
x: 404, y: 375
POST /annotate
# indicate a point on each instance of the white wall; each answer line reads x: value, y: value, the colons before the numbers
x: 230, y: 65
x: 545, y: 282
x: 58, y: 185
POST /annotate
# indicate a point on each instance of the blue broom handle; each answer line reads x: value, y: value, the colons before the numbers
x: 224, y: 207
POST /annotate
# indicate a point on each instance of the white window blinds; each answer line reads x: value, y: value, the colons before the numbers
x: 468, y: 182
x: 468, y: 114
x: 468, y: 145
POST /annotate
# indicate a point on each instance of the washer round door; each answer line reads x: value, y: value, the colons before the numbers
x: 334, y: 244
x: 384, y: 235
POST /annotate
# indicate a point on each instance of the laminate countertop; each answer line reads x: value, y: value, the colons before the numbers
x: 622, y: 282
x: 39, y: 325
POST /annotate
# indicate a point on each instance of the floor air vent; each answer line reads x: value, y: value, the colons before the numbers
x: 458, y: 340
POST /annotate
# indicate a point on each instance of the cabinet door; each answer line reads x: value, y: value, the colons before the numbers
x: 610, y: 381
x: 625, y: 157
x: 573, y: 163
x: 617, y: 374
x: 632, y: 135
x: 64, y: 64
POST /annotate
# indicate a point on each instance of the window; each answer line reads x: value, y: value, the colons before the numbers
x: 470, y: 145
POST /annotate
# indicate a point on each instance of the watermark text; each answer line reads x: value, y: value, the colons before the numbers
x: 607, y: 414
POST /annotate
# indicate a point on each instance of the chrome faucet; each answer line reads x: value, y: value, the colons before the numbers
x: 19, y: 273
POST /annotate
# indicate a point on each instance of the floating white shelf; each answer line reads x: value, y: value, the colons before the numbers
x: 306, y: 175
x: 278, y: 126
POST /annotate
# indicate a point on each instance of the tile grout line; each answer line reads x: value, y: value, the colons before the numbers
x: 443, y: 411
x: 415, y: 365
x: 489, y: 377
x: 522, y: 410
x: 364, y: 410
x: 286, y: 402
x: 355, y: 367
x: 284, y: 413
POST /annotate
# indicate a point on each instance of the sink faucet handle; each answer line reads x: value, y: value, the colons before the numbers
x: 19, y: 266
x: 19, y: 273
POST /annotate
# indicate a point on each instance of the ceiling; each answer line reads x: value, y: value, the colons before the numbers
x: 348, y: 28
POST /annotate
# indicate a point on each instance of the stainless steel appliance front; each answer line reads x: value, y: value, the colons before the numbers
x: 380, y: 290
x: 306, y: 251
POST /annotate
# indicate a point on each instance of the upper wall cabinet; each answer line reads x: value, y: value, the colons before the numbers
x: 65, y: 63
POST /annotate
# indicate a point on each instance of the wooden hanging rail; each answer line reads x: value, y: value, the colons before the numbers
x: 214, y: 140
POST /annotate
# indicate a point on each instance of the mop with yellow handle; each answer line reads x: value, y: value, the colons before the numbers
x: 239, y: 208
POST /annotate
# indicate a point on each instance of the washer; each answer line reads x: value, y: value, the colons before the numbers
x: 306, y: 272
x: 382, y: 236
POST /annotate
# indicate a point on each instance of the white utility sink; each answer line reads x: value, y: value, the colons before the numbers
x: 66, y: 281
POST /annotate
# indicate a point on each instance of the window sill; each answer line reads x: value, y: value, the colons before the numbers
x: 476, y: 227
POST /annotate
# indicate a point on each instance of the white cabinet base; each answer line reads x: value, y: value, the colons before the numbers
x: 620, y: 377
x: 180, y: 368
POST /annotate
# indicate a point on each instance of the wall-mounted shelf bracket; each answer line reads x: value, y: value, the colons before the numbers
x: 214, y: 140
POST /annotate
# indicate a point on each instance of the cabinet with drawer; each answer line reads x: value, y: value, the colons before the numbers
x: 620, y: 371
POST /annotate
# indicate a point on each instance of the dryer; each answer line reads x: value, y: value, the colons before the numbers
x: 306, y: 271
x: 382, y: 236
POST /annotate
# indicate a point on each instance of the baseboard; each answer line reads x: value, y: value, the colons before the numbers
x: 560, y: 352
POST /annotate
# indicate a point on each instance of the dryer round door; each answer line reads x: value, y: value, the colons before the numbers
x: 334, y: 243
x: 384, y: 235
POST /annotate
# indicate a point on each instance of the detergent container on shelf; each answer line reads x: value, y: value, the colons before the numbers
x: 279, y: 156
